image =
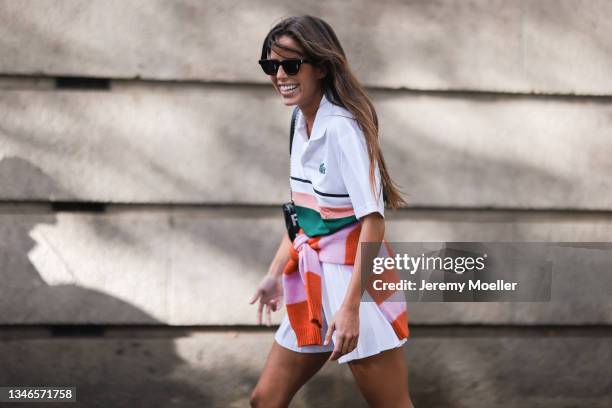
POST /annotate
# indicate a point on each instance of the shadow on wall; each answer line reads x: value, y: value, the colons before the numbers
x: 117, y: 372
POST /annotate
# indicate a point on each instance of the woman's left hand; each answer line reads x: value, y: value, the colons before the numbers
x: 346, y: 325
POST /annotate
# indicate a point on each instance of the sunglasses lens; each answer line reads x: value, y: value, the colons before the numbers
x: 269, y: 67
x: 291, y: 67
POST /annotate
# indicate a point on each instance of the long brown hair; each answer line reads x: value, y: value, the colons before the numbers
x: 340, y: 86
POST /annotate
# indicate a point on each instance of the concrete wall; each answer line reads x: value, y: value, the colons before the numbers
x: 548, y: 46
x: 496, y: 120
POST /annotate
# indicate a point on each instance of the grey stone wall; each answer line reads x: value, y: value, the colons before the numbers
x: 496, y: 120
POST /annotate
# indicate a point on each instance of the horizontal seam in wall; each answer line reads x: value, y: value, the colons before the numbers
x: 448, y: 92
x: 10, y: 206
x: 17, y: 332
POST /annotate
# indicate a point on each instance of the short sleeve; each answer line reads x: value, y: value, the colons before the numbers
x: 354, y: 163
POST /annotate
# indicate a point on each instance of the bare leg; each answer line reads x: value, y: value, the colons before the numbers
x: 284, y: 373
x: 383, y: 379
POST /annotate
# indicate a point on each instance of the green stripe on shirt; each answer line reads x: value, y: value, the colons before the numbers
x: 313, y: 225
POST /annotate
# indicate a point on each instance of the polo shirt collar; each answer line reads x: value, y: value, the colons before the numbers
x: 318, y: 128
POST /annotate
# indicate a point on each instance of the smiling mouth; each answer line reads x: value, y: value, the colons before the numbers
x: 287, y: 88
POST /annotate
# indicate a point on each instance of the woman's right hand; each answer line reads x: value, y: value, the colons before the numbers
x: 270, y: 294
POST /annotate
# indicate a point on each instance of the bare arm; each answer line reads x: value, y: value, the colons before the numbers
x: 372, y: 230
x: 281, y: 257
x: 346, y: 319
x: 270, y: 290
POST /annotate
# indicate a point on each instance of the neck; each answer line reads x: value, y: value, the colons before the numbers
x: 310, y: 112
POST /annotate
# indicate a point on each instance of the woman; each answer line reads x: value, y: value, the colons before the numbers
x: 340, y: 185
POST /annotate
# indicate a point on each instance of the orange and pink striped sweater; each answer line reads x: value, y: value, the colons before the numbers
x: 302, y: 283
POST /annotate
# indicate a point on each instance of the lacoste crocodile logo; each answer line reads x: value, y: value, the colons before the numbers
x: 322, y: 168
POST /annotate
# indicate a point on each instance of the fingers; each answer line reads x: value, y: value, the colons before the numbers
x: 340, y: 348
x: 353, y: 344
x: 344, y: 345
x: 255, y: 296
x: 337, y: 353
x: 268, y: 315
x: 259, y: 311
x: 330, y: 331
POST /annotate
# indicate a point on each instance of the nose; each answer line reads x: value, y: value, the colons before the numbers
x: 281, y: 73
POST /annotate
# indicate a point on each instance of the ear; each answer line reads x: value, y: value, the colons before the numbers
x: 322, y: 71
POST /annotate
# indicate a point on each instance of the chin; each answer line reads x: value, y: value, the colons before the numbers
x: 290, y: 101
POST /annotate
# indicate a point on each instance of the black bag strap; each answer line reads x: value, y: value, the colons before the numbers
x: 292, y: 130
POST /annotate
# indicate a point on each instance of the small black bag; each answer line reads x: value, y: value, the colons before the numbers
x: 291, y: 221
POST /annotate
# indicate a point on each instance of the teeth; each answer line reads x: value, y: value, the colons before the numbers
x: 287, y: 87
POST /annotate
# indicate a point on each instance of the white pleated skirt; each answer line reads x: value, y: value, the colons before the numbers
x: 375, y: 332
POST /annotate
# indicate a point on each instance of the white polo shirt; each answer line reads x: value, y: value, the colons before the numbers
x: 330, y: 172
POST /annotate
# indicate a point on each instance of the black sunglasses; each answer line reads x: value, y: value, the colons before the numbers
x: 290, y: 66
